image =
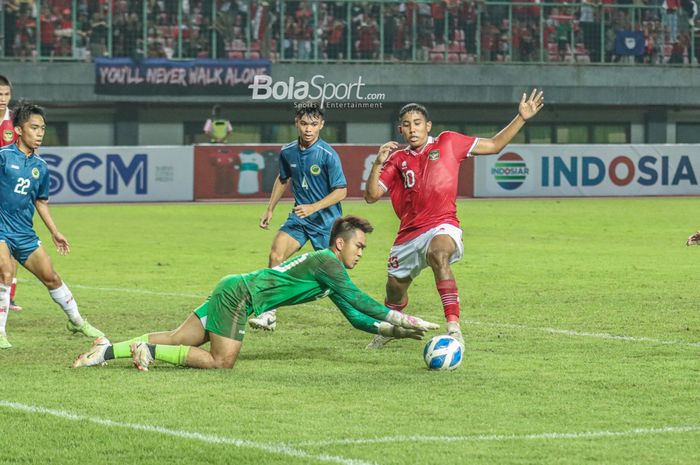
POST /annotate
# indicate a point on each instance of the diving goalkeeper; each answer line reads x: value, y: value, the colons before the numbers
x: 221, y: 319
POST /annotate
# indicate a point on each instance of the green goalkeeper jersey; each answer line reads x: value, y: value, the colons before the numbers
x: 309, y: 277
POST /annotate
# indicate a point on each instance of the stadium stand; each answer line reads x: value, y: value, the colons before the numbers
x: 454, y: 31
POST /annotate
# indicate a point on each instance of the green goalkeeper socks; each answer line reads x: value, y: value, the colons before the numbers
x: 123, y: 349
x: 177, y: 355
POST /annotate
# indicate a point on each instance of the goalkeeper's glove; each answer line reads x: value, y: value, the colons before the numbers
x: 389, y: 330
x: 408, y: 321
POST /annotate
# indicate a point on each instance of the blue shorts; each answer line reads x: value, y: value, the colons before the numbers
x: 21, y: 245
x: 302, y: 233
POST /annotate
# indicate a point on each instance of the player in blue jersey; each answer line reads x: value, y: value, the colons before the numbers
x: 318, y: 185
x: 24, y: 186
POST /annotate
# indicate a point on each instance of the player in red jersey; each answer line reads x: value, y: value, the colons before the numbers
x: 422, y: 181
x: 8, y: 136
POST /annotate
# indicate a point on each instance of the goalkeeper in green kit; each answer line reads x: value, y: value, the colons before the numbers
x: 221, y: 319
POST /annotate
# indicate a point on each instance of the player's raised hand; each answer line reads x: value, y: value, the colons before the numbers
x: 265, y: 219
x: 62, y: 245
x: 529, y: 106
x: 389, y: 330
x: 303, y: 211
x: 693, y: 239
x: 385, y: 150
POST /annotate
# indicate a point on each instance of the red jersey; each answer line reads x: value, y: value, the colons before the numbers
x: 7, y: 130
x: 423, y: 185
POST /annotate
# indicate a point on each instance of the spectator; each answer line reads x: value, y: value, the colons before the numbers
x: 98, y: 36
x: 468, y: 20
x: 47, y: 24
x: 217, y: 128
x: 438, y: 14
x: 563, y: 35
x: 670, y: 14
x: 590, y: 26
x: 82, y: 38
x: 10, y: 14
x: 336, y: 39
x: 25, y: 39
x: 368, y: 38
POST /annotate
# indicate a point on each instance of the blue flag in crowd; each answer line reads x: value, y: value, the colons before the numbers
x: 629, y: 43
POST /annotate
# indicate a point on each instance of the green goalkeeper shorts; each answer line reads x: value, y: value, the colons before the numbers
x: 226, y: 310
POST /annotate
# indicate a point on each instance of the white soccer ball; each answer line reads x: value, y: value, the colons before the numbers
x: 442, y: 353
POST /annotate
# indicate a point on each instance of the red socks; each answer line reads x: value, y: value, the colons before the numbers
x: 450, y: 299
x: 397, y: 307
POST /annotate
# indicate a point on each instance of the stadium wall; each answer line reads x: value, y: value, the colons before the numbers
x: 650, y: 99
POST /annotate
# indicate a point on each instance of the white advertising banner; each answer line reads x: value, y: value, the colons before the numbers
x: 588, y: 170
x: 120, y: 174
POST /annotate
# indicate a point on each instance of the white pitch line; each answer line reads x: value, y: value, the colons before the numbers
x: 505, y: 437
x: 139, y: 291
x: 566, y: 332
x: 280, y: 449
x: 569, y: 332
x: 127, y: 290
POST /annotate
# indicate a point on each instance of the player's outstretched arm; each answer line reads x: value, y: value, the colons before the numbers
x: 277, y: 192
x: 374, y: 191
x: 528, y: 107
x: 364, y: 322
x: 62, y: 245
x: 693, y: 239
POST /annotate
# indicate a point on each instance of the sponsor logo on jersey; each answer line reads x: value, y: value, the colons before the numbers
x: 35, y: 173
x: 434, y: 155
x: 315, y: 170
x: 14, y: 167
x: 8, y: 135
x: 510, y: 171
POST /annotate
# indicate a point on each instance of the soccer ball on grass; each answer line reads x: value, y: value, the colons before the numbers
x: 442, y: 353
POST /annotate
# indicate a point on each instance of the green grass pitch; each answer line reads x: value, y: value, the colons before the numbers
x: 581, y: 320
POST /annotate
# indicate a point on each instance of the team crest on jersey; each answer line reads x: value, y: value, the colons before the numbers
x: 404, y: 165
x: 35, y: 173
x: 433, y: 155
x: 315, y: 170
x: 8, y: 135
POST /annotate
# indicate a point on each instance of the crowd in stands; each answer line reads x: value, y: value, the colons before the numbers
x: 449, y: 30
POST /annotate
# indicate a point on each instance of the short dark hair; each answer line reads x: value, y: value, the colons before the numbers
x: 310, y: 108
x: 4, y: 81
x: 24, y: 110
x: 345, y: 227
x: 414, y: 107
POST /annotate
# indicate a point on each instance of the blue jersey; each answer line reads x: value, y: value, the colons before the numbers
x: 314, y: 172
x: 23, y: 180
